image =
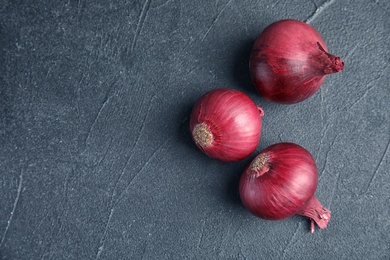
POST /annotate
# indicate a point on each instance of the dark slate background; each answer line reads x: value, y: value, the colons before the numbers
x: 96, y: 157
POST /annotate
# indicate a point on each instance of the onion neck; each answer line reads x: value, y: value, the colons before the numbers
x: 261, y: 111
x: 331, y: 64
x: 316, y: 213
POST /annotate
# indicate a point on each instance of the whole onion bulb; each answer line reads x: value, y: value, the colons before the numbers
x: 289, y: 62
x: 226, y: 125
x: 281, y: 182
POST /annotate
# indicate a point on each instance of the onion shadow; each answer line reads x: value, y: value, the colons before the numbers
x: 240, y: 68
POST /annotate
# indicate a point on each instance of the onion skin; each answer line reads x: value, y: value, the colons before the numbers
x: 289, y: 62
x: 280, y: 182
x: 226, y: 124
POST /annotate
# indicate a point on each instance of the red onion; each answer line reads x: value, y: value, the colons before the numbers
x: 289, y: 62
x: 226, y: 125
x: 281, y: 182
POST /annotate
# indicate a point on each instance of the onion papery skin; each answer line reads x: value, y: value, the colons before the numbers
x: 280, y: 182
x: 226, y: 124
x: 289, y: 62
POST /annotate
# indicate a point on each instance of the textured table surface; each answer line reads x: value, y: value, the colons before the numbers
x: 96, y: 158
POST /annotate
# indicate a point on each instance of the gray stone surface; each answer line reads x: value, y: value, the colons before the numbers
x: 96, y: 157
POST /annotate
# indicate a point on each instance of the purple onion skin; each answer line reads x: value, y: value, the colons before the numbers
x: 281, y: 182
x: 289, y: 62
x: 226, y: 124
